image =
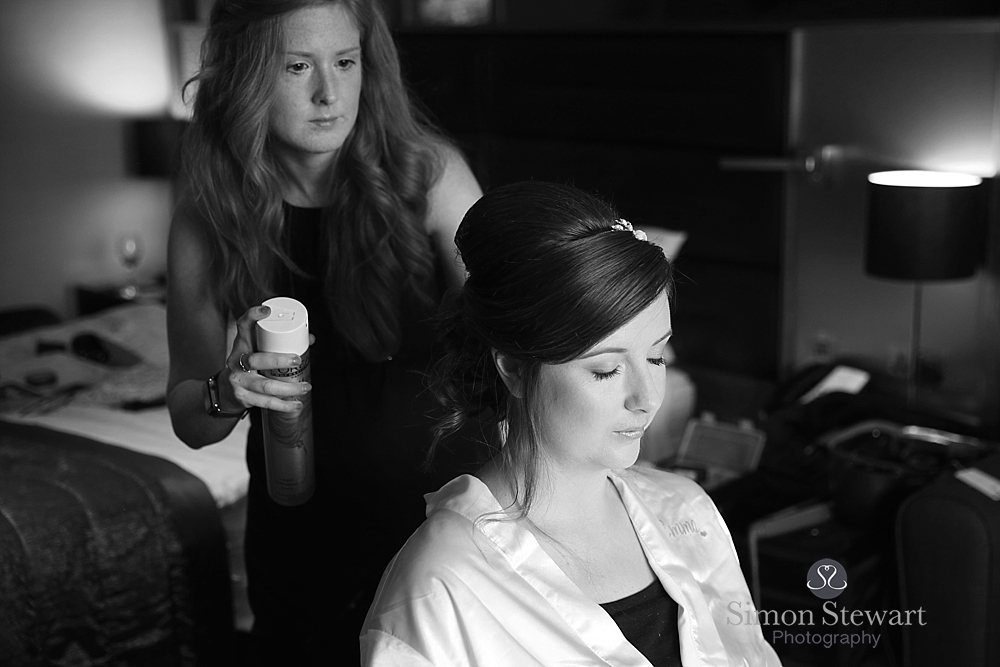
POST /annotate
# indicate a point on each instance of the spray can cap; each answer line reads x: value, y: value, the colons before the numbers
x: 286, y: 329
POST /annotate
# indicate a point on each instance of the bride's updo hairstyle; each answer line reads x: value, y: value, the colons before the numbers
x: 549, y: 277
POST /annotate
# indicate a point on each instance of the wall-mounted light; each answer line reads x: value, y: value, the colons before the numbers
x: 924, y: 226
x: 447, y: 12
x: 105, y: 55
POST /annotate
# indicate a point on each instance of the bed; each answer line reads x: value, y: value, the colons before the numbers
x: 118, y: 543
x: 121, y: 405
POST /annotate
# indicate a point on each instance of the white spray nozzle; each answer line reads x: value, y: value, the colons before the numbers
x: 286, y: 329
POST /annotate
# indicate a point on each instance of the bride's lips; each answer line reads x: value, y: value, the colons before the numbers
x: 632, y: 432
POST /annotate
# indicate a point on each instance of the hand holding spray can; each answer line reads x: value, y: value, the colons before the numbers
x: 288, y: 436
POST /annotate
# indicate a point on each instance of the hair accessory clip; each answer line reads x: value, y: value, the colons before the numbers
x: 621, y: 225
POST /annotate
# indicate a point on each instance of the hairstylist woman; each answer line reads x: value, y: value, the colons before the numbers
x: 308, y: 173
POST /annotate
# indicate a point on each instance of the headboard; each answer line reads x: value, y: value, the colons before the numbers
x: 641, y: 119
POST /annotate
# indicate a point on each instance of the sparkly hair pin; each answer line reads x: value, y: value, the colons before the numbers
x: 622, y: 225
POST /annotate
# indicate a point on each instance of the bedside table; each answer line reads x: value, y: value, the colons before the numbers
x: 94, y: 298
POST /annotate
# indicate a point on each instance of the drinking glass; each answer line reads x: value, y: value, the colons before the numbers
x: 129, y: 249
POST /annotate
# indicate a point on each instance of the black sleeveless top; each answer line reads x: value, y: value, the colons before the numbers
x: 648, y: 619
x: 313, y: 568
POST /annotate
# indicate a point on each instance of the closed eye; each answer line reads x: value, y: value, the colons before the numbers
x: 608, y: 375
x: 658, y: 361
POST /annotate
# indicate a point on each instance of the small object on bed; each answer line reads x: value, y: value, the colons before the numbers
x: 89, y: 345
x: 137, y: 406
x: 116, y: 357
x: 42, y: 378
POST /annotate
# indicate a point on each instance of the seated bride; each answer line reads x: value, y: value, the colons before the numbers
x: 560, y: 551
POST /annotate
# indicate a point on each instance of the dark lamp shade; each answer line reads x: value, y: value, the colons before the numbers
x: 153, y: 146
x: 925, y: 231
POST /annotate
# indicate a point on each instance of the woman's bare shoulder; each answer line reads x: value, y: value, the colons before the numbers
x: 454, y: 191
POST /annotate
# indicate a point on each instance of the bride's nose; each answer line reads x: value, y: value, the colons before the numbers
x: 644, y: 394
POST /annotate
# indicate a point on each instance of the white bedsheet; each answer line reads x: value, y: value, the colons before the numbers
x: 221, y: 466
x: 93, y: 412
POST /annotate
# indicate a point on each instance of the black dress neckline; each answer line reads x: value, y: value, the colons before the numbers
x: 648, y: 619
x: 296, y: 207
x: 651, y: 592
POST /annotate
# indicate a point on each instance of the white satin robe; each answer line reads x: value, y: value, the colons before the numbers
x: 464, y: 590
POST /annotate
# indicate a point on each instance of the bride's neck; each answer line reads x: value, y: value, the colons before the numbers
x: 560, y: 498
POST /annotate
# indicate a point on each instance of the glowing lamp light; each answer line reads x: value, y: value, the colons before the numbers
x: 924, y: 179
x: 109, y: 55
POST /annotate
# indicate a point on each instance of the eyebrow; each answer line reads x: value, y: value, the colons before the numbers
x: 337, y: 53
x: 622, y: 350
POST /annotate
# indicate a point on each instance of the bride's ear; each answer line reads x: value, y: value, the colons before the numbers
x: 510, y: 371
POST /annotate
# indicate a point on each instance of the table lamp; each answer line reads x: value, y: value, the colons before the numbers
x: 924, y: 226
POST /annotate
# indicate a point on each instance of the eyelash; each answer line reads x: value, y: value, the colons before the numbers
x: 659, y: 361
x: 343, y: 63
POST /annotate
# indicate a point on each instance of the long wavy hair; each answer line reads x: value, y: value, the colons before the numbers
x: 548, y: 279
x: 378, y: 251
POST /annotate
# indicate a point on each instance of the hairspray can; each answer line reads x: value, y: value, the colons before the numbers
x: 288, y: 437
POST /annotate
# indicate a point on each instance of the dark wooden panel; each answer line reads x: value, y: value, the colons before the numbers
x: 683, y: 90
x: 640, y: 119
x: 728, y: 14
x: 726, y: 317
x: 729, y: 217
x: 448, y: 74
x: 679, y: 89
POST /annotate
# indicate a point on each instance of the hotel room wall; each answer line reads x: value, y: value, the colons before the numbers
x: 72, y: 74
x: 906, y: 96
